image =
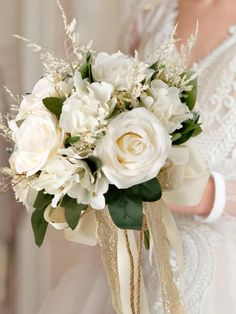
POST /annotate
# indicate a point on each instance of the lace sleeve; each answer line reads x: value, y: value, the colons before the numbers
x: 231, y: 197
x: 230, y: 183
x: 134, y: 26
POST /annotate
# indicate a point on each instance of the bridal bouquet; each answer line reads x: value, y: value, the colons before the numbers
x: 97, y: 132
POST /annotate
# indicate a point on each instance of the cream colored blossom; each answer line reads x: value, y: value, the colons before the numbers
x: 37, y: 139
x: 164, y: 102
x: 134, y: 148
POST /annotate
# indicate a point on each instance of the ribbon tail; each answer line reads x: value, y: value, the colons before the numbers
x: 170, y: 295
x: 174, y: 239
x: 133, y: 246
x: 116, y: 261
x: 107, y: 234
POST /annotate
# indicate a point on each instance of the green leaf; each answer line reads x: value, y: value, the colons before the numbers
x: 126, y: 211
x: 19, y: 123
x: 86, y: 68
x: 153, y: 66
x: 39, y: 225
x: 42, y: 200
x: 190, y: 129
x: 84, y: 71
x: 146, y: 239
x: 157, y: 67
x: 125, y: 208
x: 184, y: 138
x: 111, y: 193
x: 149, y: 191
x: 71, y: 140
x: 125, y: 205
x: 72, y: 210
x: 94, y: 163
x: 197, y: 131
x: 190, y: 97
x: 175, y: 137
x: 54, y: 105
x: 115, y: 113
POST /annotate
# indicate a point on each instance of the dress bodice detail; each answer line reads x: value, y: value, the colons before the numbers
x: 217, y: 106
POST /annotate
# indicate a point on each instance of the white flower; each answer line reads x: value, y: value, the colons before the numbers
x: 47, y: 88
x: 134, y: 148
x: 32, y: 103
x: 56, y: 178
x: 68, y: 175
x: 87, y: 109
x: 113, y: 69
x: 25, y: 194
x: 90, y: 189
x: 165, y: 103
x: 37, y: 139
x: 123, y: 72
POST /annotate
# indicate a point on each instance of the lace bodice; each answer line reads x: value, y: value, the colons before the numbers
x: 217, y: 85
x: 217, y: 105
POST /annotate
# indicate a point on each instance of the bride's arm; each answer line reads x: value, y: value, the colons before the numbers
x: 203, y: 208
x: 226, y: 203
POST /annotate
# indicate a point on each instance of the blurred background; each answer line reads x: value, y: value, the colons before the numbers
x: 28, y: 273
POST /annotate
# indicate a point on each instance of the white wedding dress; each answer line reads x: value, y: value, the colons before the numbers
x: 209, y: 249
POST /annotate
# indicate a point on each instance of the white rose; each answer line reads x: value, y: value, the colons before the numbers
x: 47, y: 88
x: 57, y: 177
x: 165, y: 104
x: 67, y: 175
x: 113, y: 69
x: 134, y: 149
x: 25, y: 194
x: 86, y: 109
x: 37, y: 139
x: 32, y: 103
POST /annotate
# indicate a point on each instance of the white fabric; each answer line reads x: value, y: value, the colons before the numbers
x: 209, y: 249
x: 219, y: 202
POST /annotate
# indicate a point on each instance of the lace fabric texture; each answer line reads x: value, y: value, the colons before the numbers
x: 198, y: 246
x: 217, y: 105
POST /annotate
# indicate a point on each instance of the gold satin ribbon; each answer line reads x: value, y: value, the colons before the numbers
x: 155, y: 213
x: 116, y: 263
x: 107, y: 235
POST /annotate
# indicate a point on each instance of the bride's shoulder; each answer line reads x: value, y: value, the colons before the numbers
x: 145, y: 17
